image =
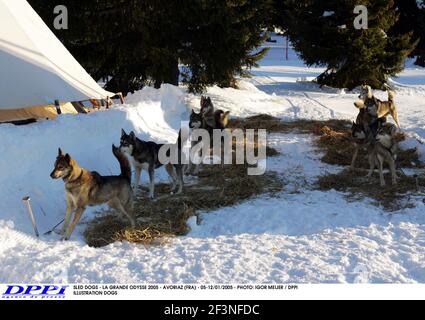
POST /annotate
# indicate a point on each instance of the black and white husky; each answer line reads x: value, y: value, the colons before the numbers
x: 145, y: 156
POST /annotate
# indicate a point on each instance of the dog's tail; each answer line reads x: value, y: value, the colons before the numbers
x: 124, y: 163
x: 225, y: 119
x: 221, y: 119
x: 391, y: 95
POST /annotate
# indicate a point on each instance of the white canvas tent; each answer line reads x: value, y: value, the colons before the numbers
x: 35, y: 67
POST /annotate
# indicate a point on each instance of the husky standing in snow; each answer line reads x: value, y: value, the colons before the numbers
x: 145, y: 156
x: 377, y: 107
x: 212, y: 119
x: 368, y: 121
x: 84, y: 188
x: 381, y: 146
x: 208, y: 119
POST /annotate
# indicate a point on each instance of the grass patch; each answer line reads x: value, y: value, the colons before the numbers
x: 358, y: 186
x: 166, y: 217
x: 338, y: 147
x: 217, y: 187
x: 333, y: 139
x: 275, y: 125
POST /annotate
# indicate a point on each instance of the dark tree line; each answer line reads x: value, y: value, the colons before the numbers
x: 323, y: 33
x: 132, y: 43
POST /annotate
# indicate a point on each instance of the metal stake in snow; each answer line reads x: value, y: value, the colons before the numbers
x: 26, y: 200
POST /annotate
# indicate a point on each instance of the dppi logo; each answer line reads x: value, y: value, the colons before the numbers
x: 34, y: 292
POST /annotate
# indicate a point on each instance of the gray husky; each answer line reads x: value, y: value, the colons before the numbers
x: 212, y: 119
x: 381, y: 147
x: 145, y: 156
x: 84, y: 188
x: 207, y: 119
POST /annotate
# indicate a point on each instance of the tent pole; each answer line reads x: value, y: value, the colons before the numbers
x: 58, y: 107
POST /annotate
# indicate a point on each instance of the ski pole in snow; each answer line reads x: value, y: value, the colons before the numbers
x: 26, y: 200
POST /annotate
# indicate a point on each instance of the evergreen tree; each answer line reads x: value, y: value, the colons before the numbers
x: 132, y: 43
x: 323, y: 33
x: 420, y: 52
x: 412, y: 19
x: 103, y: 37
x: 279, y: 14
x: 222, y: 39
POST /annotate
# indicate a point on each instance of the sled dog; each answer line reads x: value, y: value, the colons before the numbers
x: 145, y: 156
x: 377, y: 107
x: 381, y: 147
x: 84, y: 188
x: 212, y: 119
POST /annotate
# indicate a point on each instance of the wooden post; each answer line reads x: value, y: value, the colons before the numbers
x: 107, y: 102
x: 120, y: 95
x: 58, y: 107
x: 79, y: 106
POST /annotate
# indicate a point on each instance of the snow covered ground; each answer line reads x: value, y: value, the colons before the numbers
x: 301, y: 236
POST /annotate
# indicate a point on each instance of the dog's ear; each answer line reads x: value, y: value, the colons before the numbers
x: 132, y: 135
x: 68, y: 158
x: 60, y: 152
x: 209, y: 100
x: 123, y: 133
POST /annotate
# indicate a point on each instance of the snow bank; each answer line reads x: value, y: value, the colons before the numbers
x: 302, y: 236
x: 28, y: 152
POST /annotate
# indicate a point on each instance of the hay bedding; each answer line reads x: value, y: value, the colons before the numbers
x: 165, y: 217
x: 338, y: 148
x: 391, y: 198
x: 335, y: 142
x: 217, y: 187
